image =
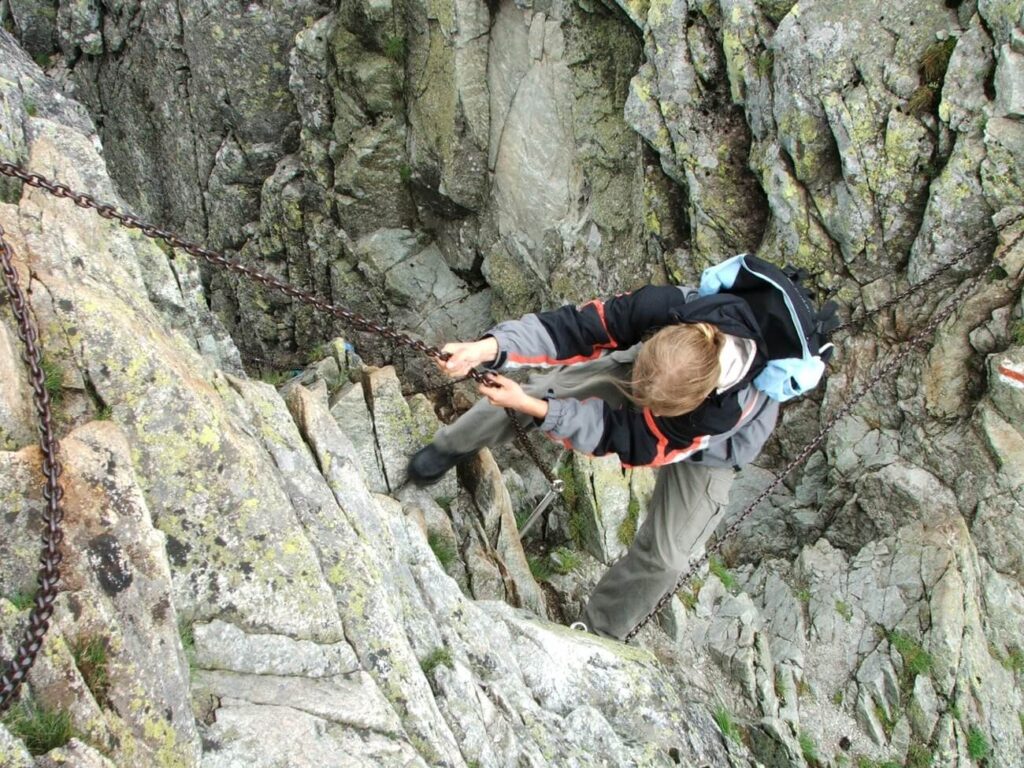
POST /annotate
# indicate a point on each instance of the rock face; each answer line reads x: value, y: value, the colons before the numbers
x: 440, y: 165
x: 254, y: 600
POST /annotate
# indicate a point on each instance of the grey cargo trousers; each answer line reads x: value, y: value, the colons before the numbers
x: 688, y: 502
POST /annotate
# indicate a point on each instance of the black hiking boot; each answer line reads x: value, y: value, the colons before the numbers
x: 429, y: 464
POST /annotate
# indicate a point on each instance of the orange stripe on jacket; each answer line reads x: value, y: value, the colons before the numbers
x: 598, y: 305
x: 662, y: 457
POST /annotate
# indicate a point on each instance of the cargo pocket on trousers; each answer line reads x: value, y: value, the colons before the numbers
x: 719, y: 485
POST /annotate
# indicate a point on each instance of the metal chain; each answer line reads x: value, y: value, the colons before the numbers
x: 915, y: 287
x: 352, y: 319
x: 894, y: 364
x: 49, y: 561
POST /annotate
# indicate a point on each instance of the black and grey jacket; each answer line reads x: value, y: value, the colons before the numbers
x: 727, y: 430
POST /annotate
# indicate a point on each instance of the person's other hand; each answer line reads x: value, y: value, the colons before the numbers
x: 502, y: 392
x: 467, y: 355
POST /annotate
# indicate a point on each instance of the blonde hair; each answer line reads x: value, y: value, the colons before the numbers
x: 677, y: 368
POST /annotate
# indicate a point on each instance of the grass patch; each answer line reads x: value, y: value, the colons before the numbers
x: 1017, y: 332
x: 90, y: 655
x: 275, y: 378
x: 319, y: 352
x: 689, y: 597
x: 803, y: 595
x: 30, y: 106
x: 40, y: 729
x: 935, y: 60
x: 837, y: 698
x: 188, y: 642
x: 564, y: 560
x: 105, y: 413
x: 717, y: 567
x: 405, y: 173
x: 571, y: 498
x: 436, y: 658
x: 780, y: 686
x: 726, y: 724
x: 888, y: 723
x: 53, y: 380
x: 803, y: 688
x: 627, y: 528
x: 916, y: 660
x: 921, y: 100
x: 844, y: 610
x: 394, y: 48
x: 443, y: 549
x: 977, y: 745
x: 808, y: 748
x: 540, y: 567
x: 919, y: 756
x: 764, y: 64
x: 21, y: 600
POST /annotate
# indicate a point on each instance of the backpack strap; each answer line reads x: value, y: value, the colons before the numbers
x: 794, y: 331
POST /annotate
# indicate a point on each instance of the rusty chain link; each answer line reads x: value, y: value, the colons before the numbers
x: 890, y: 367
x: 49, y: 561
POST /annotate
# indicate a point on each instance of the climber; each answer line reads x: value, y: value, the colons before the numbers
x: 669, y: 377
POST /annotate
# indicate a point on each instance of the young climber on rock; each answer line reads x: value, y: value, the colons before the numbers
x: 661, y: 377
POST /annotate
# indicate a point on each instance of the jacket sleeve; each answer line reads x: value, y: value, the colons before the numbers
x: 574, y: 335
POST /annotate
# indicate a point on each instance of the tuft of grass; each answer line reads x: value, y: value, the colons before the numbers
x: 919, y: 756
x: 844, y: 610
x: 40, y: 729
x: 921, y: 100
x: 104, y: 414
x: 728, y: 727
x: 188, y: 642
x: 21, y: 600
x: 627, y: 528
x: 717, y: 567
x: 916, y: 660
x: 935, y: 60
x: 564, y: 560
x: 436, y: 658
x: 888, y: 723
x: 442, y: 549
x: 53, y: 380
x: 571, y: 499
x: 764, y: 64
x: 319, y: 352
x: 837, y: 698
x: 803, y: 688
x: 690, y: 596
x: 90, y: 655
x: 1017, y: 332
x: 996, y: 273
x: 780, y: 686
x: 394, y: 48
x: 30, y: 106
x: 274, y: 378
x: 808, y: 748
x: 540, y: 567
x: 977, y: 745
x: 405, y: 173
x: 803, y: 595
